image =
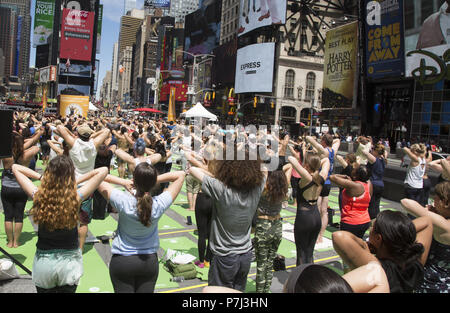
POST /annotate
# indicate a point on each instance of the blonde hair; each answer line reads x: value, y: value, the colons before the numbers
x: 56, y: 204
x: 419, y: 148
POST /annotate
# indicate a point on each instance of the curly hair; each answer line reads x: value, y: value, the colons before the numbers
x: 242, y: 175
x: 276, y: 186
x: 442, y: 190
x: 17, y: 146
x: 56, y: 204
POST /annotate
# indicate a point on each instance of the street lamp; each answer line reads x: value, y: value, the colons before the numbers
x: 195, y: 67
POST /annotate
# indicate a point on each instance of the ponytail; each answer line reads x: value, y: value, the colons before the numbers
x: 144, y: 208
x: 399, y: 237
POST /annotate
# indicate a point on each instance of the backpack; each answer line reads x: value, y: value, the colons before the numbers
x: 187, y: 271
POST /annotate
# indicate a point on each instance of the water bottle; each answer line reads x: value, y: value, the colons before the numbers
x: 177, y: 279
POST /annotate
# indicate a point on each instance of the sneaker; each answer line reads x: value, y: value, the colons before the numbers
x: 199, y: 264
x: 206, y: 263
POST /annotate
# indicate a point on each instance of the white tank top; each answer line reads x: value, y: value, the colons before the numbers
x: 137, y: 161
x: 414, y: 175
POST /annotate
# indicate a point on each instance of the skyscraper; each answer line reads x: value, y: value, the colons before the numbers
x: 20, y: 8
x: 180, y: 8
x: 129, y: 5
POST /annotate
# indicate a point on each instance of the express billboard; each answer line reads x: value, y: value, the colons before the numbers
x: 255, y: 14
x: 254, y: 68
x: 77, y: 35
x: 385, y: 38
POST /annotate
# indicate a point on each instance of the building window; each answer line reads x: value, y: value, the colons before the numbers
x: 310, y: 86
x: 289, y: 84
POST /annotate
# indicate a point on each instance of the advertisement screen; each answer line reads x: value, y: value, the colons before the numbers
x: 427, y: 62
x: 254, y: 68
x: 202, y: 29
x: 225, y: 63
x: 385, y: 39
x: 77, y: 35
x: 73, y: 105
x: 157, y: 3
x: 76, y: 70
x: 340, y: 67
x: 99, y: 28
x: 75, y: 90
x: 43, y: 22
x: 259, y: 13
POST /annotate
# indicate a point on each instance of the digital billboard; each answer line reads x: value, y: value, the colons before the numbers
x: 254, y: 68
x: 340, y: 67
x: 385, y: 38
x: 77, y: 35
x: 157, y: 3
x: 428, y: 62
x: 76, y: 70
x: 202, y: 29
x: 75, y: 90
x: 255, y: 14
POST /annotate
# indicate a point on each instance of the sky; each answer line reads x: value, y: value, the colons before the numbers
x: 112, y: 11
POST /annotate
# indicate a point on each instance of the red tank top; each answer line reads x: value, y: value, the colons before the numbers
x: 355, y: 209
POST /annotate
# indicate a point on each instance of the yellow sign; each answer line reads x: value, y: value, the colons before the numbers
x: 73, y: 105
x: 340, y: 68
x: 171, y: 115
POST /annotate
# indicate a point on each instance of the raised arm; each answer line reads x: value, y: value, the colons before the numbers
x: 63, y: 132
x: 341, y: 161
x: 124, y: 156
x: 24, y: 176
x: 424, y: 230
x: 93, y: 180
x: 441, y: 225
x: 370, y: 157
x: 353, y: 189
x: 98, y: 140
x: 300, y: 169
x: 55, y: 147
x: 176, y: 179
x: 411, y: 155
x: 155, y: 158
x: 320, y: 150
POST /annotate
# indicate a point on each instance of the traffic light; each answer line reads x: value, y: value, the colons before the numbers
x: 272, y: 104
x: 255, y: 101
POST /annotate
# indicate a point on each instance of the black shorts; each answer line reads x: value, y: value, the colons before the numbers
x: 325, y: 190
x: 14, y: 201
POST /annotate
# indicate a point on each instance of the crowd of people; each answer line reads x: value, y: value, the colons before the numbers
x: 237, y: 182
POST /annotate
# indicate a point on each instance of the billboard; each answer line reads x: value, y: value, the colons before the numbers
x: 202, y: 29
x: 76, y: 70
x: 157, y: 3
x: 259, y: 13
x: 77, y: 35
x: 99, y: 27
x: 18, y: 44
x: 47, y: 74
x: 43, y: 22
x: 254, y: 68
x: 340, y: 67
x: 385, y: 39
x: 428, y: 62
x: 73, y: 105
x: 75, y: 90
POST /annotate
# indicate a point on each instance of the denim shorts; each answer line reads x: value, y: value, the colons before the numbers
x: 54, y: 268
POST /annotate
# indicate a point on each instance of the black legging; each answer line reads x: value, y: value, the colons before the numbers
x: 426, y: 191
x: 306, y: 230
x: 203, y: 213
x: 134, y: 273
x: 374, y: 205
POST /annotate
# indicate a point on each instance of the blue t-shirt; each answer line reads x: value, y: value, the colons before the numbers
x: 331, y: 158
x: 377, y: 170
x: 132, y: 236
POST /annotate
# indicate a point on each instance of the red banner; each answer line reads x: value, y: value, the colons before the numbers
x: 181, y: 90
x: 77, y: 32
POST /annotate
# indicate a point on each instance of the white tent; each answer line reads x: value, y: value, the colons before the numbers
x: 199, y: 111
x: 92, y: 107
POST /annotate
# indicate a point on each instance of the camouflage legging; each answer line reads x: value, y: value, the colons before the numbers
x: 268, y: 236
